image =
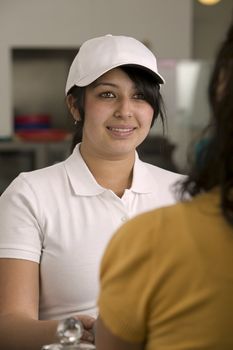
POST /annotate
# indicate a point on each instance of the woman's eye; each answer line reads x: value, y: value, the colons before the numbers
x: 139, y: 96
x: 107, y: 94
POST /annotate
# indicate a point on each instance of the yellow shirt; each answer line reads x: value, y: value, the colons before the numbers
x: 167, y: 278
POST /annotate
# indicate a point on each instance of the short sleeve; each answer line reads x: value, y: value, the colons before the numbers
x: 125, y: 287
x: 20, y: 233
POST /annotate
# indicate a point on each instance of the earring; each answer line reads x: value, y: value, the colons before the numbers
x: 75, y: 122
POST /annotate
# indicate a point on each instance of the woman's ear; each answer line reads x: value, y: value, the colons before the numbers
x: 71, y: 104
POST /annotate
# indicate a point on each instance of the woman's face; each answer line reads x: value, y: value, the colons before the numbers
x: 117, y: 118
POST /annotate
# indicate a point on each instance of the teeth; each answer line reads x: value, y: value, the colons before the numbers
x: 120, y: 130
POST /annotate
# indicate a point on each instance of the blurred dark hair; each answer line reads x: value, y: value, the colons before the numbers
x: 143, y: 81
x: 214, y: 166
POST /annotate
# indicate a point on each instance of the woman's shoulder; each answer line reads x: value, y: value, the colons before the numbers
x: 38, y: 180
x: 161, y: 177
x: 44, y: 174
x: 161, y: 171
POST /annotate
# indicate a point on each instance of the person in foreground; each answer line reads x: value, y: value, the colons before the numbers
x: 166, y: 276
x: 56, y: 222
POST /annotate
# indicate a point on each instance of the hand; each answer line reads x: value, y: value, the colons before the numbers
x: 88, y: 326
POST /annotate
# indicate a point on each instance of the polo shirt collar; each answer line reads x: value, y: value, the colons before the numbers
x: 143, y: 179
x: 84, y: 183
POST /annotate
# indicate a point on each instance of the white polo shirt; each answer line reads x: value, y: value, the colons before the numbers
x: 61, y: 218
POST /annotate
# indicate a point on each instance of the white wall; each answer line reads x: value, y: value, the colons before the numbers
x: 165, y: 25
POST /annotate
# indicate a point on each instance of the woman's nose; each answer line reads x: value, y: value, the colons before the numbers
x: 124, y: 109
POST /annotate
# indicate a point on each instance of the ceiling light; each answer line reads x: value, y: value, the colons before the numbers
x: 209, y: 2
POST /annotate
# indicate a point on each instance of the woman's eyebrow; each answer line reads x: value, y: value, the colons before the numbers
x: 102, y: 83
x: 108, y: 84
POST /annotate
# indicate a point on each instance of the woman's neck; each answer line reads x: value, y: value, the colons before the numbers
x: 113, y: 174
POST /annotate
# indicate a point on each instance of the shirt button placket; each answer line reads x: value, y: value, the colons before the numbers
x: 124, y: 218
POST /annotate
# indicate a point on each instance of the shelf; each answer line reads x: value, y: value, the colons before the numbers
x: 18, y: 156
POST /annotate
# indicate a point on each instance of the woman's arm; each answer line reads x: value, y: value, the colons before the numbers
x: 19, y: 300
x: 105, y: 340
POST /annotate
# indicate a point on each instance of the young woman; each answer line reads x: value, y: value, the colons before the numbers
x: 166, y: 276
x: 55, y: 222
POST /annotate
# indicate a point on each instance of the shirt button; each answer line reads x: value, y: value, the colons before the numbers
x: 124, y: 218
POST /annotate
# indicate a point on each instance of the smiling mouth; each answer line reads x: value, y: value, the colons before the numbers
x: 120, y: 130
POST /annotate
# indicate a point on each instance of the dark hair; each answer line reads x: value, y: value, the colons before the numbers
x: 144, y: 82
x: 214, y: 166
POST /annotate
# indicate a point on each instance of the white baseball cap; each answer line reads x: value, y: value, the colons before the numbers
x: 99, y: 55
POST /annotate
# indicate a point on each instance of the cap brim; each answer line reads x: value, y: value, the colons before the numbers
x: 87, y: 80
